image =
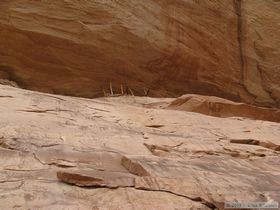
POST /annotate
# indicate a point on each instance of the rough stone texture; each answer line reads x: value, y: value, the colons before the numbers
x: 59, y: 152
x: 214, y: 47
x: 219, y: 107
x: 261, y: 48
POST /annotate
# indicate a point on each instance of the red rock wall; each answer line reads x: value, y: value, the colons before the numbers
x: 214, y: 47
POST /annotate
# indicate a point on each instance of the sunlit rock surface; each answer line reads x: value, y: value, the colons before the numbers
x: 219, y: 107
x: 59, y: 152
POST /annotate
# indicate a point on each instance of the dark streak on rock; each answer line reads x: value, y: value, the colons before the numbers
x: 43, y: 110
x: 9, y: 73
x: 268, y: 145
x: 6, y: 96
x: 238, y: 11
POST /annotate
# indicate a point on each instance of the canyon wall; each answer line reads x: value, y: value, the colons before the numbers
x: 226, y: 48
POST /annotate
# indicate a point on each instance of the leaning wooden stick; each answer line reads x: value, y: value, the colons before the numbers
x: 131, y: 92
x: 145, y: 91
x: 111, y: 89
x: 122, y: 90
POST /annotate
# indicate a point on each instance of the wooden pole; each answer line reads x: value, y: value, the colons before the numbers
x: 131, y: 92
x: 111, y: 89
x: 122, y: 90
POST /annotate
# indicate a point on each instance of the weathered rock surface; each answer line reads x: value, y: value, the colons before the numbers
x: 219, y: 107
x: 59, y: 152
x: 224, y: 48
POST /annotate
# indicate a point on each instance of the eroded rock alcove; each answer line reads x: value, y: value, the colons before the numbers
x: 228, y: 49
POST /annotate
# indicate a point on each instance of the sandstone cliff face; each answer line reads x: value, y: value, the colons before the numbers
x: 76, y: 47
x: 261, y: 49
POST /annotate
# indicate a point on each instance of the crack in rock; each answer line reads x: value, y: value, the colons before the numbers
x: 268, y: 145
x: 95, y: 181
x: 44, y: 110
x: 134, y: 167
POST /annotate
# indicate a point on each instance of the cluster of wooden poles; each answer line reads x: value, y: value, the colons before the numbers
x: 124, y: 91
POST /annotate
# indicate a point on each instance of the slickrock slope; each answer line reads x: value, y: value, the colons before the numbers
x: 224, y: 48
x: 59, y: 152
x: 219, y: 107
